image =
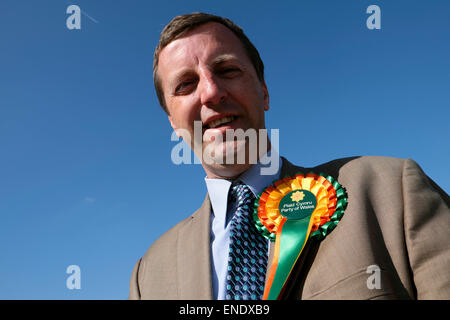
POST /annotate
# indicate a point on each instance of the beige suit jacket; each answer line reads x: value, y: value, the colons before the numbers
x: 397, y: 220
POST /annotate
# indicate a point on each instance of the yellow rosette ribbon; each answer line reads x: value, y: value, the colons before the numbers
x: 292, y: 211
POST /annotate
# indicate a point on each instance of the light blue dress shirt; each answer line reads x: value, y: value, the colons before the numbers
x: 221, y: 215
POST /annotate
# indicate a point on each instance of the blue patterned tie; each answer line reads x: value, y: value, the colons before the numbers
x: 247, y: 260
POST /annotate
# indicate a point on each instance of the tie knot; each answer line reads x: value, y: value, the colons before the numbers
x: 241, y: 194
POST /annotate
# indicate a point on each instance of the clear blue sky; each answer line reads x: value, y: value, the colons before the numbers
x: 86, y: 176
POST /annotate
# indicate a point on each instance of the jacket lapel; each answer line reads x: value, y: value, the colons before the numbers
x: 193, y: 256
x: 288, y: 169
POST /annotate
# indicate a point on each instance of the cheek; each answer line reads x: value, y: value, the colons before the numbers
x: 183, y: 114
x: 250, y: 89
x: 253, y: 101
x: 183, y: 117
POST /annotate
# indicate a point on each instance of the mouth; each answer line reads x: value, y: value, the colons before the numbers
x: 219, y: 123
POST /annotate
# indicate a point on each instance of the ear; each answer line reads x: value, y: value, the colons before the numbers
x: 266, y: 96
x: 174, y: 127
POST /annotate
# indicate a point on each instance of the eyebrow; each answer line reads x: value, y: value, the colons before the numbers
x: 223, y: 58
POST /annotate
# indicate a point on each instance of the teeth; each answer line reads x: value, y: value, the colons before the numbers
x: 220, y: 121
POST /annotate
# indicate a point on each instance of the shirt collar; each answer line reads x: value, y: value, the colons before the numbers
x: 256, y: 181
x: 218, y: 188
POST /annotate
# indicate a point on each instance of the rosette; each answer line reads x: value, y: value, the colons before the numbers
x: 292, y: 211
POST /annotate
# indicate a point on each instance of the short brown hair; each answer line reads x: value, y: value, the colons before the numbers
x: 181, y: 24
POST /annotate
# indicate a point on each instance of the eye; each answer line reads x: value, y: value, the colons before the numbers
x: 184, y: 86
x: 229, y: 71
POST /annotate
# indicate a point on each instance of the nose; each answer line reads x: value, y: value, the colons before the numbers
x: 212, y: 91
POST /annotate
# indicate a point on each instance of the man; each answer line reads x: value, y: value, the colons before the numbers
x: 391, y: 243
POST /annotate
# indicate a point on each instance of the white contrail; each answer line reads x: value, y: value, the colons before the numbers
x: 84, y: 13
x: 88, y: 16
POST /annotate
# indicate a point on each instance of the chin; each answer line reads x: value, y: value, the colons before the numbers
x: 227, y: 159
x: 230, y: 153
x: 225, y: 171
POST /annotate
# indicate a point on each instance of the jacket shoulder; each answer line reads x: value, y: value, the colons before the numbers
x: 372, y: 163
x: 360, y: 166
x: 166, y: 243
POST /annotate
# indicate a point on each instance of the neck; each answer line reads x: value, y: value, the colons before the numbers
x: 231, y: 171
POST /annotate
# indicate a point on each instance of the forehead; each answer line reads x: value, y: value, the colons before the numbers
x: 200, y: 45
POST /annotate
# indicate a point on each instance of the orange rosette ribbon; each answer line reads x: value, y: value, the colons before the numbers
x: 292, y: 211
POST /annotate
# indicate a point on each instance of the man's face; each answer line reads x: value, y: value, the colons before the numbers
x: 207, y: 76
